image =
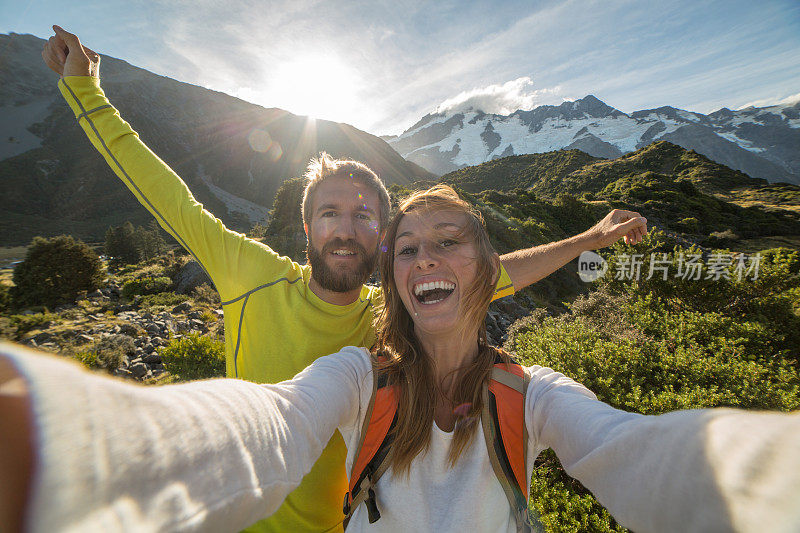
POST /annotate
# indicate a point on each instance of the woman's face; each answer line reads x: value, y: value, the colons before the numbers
x: 434, y: 266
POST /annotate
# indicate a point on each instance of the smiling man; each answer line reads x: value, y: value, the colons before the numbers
x: 280, y: 315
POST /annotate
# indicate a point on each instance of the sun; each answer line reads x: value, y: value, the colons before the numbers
x: 318, y: 85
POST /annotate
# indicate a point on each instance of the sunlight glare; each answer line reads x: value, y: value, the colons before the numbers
x: 321, y: 86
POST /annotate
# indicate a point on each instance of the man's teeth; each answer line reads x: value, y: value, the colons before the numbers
x: 431, y: 285
x: 343, y: 252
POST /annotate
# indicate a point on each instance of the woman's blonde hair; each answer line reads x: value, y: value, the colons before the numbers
x: 407, y: 366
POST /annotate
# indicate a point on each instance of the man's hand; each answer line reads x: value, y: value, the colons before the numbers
x: 615, y: 225
x: 66, y: 56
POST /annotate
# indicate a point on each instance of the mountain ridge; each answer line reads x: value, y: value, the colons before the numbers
x: 762, y: 142
x: 52, y: 180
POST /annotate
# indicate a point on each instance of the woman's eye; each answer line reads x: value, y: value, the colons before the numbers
x: 407, y: 250
x: 329, y: 214
x: 447, y: 242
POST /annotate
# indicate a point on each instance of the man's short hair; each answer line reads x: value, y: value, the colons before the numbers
x: 324, y: 167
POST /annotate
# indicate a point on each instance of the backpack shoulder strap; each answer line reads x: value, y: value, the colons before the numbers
x: 372, y: 457
x: 503, y: 423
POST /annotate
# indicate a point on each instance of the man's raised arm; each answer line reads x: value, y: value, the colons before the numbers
x: 224, y: 254
x: 528, y: 266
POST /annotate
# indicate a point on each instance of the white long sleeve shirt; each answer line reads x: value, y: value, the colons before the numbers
x: 219, y: 455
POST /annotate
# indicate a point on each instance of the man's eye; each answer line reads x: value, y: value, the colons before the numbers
x: 329, y: 214
x: 447, y: 242
x: 363, y: 216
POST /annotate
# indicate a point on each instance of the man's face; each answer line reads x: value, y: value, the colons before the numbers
x: 343, y: 234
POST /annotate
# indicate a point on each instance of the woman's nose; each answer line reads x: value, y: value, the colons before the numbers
x: 426, y: 258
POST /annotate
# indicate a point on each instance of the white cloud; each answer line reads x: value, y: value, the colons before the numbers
x: 764, y: 102
x: 500, y: 99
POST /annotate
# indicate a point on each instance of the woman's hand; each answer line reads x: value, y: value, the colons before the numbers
x: 615, y: 225
x: 66, y: 56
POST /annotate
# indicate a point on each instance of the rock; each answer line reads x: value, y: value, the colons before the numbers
x: 95, y: 294
x: 189, y: 277
x: 82, y: 339
x: 120, y: 308
x: 152, y: 329
x: 219, y: 312
x: 117, y: 329
x: 197, y: 324
x: 157, y: 341
x: 151, y: 358
x: 182, y: 307
x: 123, y: 373
x: 139, y: 370
x: 196, y: 315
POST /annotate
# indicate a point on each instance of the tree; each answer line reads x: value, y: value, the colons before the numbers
x: 54, y: 271
x: 121, y: 246
x: 126, y: 244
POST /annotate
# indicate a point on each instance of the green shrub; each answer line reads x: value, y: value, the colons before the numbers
x: 54, y: 271
x: 206, y: 294
x: 107, y: 353
x: 658, y: 345
x: 146, y: 285
x: 194, y: 357
x: 22, y: 324
x: 5, y: 297
x: 166, y: 299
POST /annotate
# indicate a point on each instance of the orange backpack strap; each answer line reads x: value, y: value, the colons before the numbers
x: 503, y: 422
x: 372, y: 457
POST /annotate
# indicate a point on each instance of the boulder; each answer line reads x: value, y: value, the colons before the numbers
x: 151, y: 358
x: 190, y: 276
x: 182, y: 307
x: 139, y: 370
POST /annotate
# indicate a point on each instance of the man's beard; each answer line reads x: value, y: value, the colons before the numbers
x: 341, y: 280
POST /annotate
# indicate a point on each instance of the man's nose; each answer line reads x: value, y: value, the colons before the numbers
x: 345, y: 228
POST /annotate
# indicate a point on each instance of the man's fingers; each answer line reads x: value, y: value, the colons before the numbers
x: 91, y: 54
x: 70, y: 39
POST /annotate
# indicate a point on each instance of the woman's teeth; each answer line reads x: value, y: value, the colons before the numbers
x: 433, y: 291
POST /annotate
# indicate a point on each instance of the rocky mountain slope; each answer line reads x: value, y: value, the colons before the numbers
x: 233, y: 155
x: 762, y: 142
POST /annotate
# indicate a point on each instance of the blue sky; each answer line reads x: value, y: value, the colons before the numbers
x: 382, y: 65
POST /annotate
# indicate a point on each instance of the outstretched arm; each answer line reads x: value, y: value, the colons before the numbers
x: 215, y: 455
x: 528, y: 266
x: 696, y: 470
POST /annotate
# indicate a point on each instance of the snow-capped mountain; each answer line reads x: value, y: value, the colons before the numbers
x: 762, y: 142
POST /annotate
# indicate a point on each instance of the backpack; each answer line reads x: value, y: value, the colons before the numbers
x: 503, y: 424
